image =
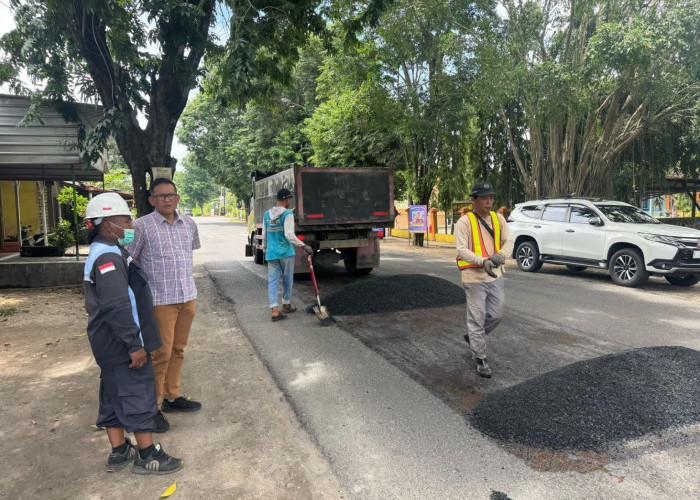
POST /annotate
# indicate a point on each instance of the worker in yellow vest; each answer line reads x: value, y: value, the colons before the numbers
x: 483, y: 245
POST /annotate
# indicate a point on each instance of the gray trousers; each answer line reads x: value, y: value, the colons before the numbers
x: 485, y: 305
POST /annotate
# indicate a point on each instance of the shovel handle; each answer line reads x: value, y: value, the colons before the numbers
x: 313, y: 280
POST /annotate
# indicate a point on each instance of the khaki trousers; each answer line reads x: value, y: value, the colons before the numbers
x: 174, y: 322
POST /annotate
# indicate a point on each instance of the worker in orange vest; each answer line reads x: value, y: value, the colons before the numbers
x: 483, y: 245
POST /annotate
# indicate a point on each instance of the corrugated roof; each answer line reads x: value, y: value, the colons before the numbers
x: 43, y: 151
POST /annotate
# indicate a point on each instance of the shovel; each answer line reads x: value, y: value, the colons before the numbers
x: 320, y: 311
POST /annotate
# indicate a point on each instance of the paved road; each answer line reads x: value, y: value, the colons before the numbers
x: 385, y: 395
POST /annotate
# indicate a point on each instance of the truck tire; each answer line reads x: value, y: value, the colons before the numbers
x: 683, y: 279
x: 259, y: 257
x: 627, y: 268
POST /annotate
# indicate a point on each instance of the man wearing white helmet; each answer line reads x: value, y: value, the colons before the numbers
x: 122, y: 330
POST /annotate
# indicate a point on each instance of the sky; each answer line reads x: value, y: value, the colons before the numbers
x: 7, y: 24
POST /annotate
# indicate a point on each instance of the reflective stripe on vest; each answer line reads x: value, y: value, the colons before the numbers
x: 477, y: 240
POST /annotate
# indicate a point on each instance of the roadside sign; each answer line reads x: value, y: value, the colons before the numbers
x: 458, y: 207
x: 418, y: 218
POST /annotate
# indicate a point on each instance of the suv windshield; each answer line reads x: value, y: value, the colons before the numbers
x: 626, y: 213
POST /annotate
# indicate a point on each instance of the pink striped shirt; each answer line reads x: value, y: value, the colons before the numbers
x: 164, y: 251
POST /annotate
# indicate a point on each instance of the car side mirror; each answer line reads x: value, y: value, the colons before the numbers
x: 596, y: 221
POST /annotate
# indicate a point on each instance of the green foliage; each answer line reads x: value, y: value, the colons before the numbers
x: 397, y: 98
x: 62, y: 236
x: 267, y: 134
x: 65, y: 197
x: 136, y: 56
x: 118, y: 176
x: 605, y: 94
x: 195, y: 185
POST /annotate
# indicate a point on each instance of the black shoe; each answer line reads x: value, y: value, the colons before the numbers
x: 181, y: 404
x: 483, y: 368
x: 157, y: 462
x: 466, y: 337
x: 161, y: 423
x: 117, y: 461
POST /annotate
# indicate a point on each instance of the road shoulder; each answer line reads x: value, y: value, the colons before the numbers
x: 245, y: 443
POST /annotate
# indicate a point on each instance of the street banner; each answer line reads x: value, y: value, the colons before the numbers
x: 418, y: 218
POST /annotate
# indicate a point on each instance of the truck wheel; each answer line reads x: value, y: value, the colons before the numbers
x: 627, y: 268
x: 259, y: 257
x: 363, y: 272
x: 683, y: 279
x: 528, y: 257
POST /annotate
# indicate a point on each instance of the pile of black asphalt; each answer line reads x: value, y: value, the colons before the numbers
x: 591, y: 405
x: 393, y: 293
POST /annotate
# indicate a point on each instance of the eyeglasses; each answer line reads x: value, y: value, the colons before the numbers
x: 165, y: 196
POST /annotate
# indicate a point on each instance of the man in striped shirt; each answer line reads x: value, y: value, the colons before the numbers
x: 163, y: 245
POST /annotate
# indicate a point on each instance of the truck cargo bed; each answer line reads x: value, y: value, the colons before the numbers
x: 340, y: 196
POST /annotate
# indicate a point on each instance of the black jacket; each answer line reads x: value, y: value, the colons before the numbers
x: 115, y: 288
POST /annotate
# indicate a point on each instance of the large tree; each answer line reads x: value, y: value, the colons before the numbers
x: 267, y: 134
x: 143, y: 57
x: 400, y: 97
x: 598, y: 85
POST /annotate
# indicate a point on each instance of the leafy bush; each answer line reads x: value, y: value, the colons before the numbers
x: 62, y: 236
x: 65, y: 197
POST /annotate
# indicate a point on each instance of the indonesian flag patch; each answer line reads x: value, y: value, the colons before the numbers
x: 105, y: 268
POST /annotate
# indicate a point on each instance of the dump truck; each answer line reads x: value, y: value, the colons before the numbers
x: 336, y: 212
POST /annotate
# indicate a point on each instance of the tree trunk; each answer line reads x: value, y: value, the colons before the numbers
x: 170, y: 85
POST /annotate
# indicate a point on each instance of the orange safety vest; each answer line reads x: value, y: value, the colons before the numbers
x: 478, y: 242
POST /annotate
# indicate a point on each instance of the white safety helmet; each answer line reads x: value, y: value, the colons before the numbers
x: 106, y: 205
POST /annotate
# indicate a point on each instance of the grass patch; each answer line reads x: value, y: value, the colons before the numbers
x: 11, y: 311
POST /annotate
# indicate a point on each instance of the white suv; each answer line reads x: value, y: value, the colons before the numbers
x: 581, y: 233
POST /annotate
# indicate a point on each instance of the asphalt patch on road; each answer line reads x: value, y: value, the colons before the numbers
x: 593, y: 404
x: 393, y: 293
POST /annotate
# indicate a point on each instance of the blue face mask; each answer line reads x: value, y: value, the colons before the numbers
x: 128, y: 235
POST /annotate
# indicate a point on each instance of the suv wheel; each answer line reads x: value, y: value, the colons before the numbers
x: 627, y: 268
x: 683, y: 279
x: 528, y: 257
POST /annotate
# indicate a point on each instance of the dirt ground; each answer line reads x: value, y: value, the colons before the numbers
x: 245, y: 443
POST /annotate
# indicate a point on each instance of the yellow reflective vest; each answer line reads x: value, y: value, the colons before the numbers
x: 478, y: 242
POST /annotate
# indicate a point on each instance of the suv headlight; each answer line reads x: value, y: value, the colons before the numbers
x: 659, y: 238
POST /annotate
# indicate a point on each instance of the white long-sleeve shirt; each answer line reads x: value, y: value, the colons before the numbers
x: 275, y: 213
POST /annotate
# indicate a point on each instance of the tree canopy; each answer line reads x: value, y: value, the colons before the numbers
x: 141, y: 58
x: 541, y: 97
